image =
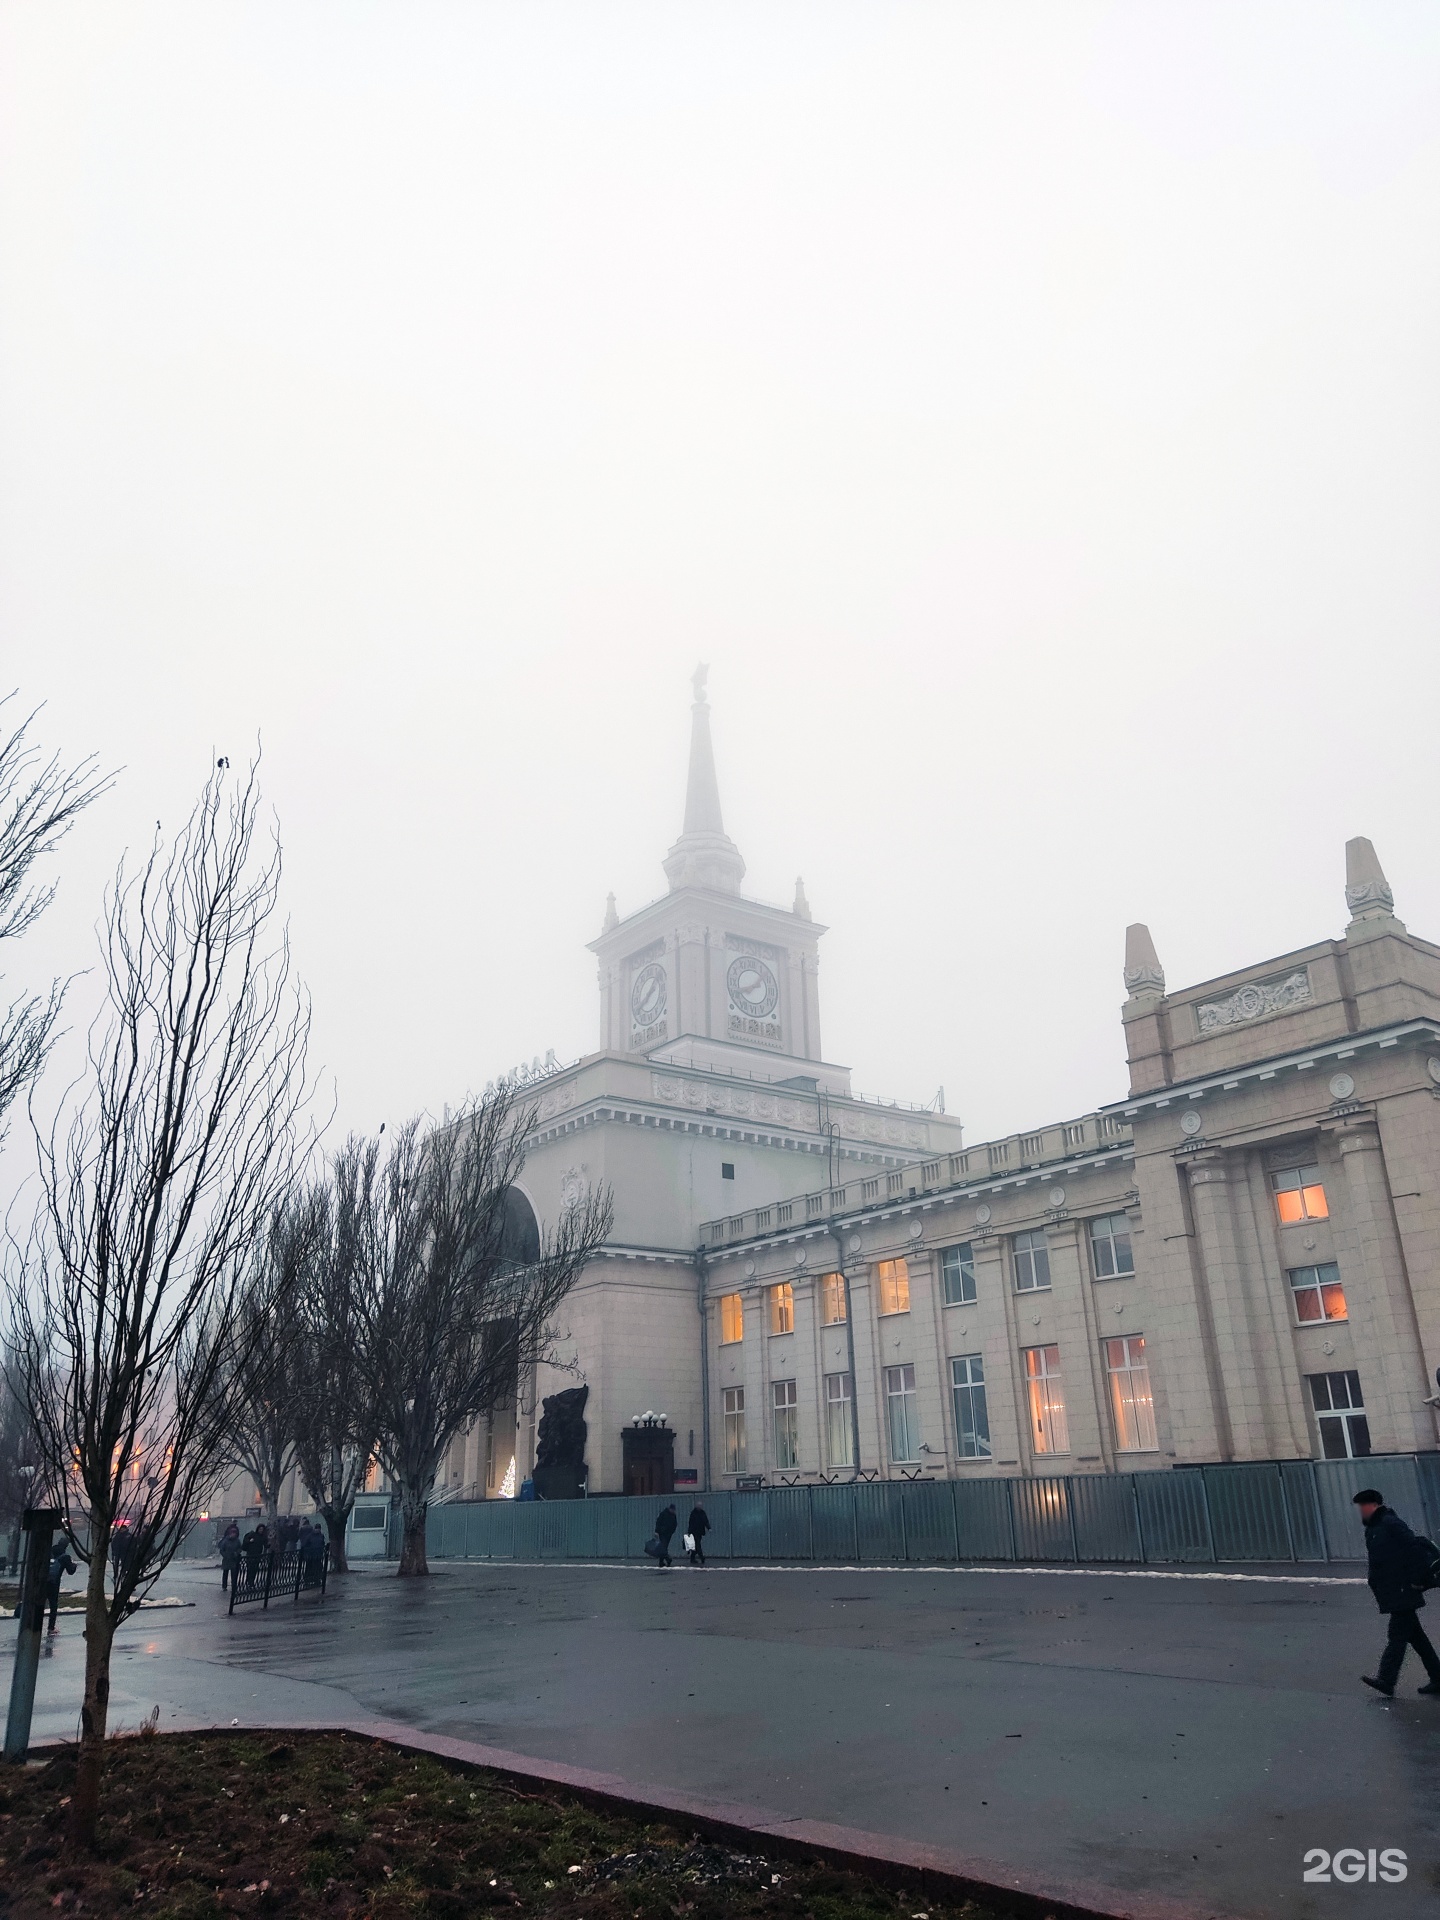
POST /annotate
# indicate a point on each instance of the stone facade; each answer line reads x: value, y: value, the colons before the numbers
x: 852, y: 1288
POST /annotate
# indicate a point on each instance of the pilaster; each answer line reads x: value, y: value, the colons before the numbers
x: 1381, y: 1307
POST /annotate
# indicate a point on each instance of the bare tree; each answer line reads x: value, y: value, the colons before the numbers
x: 159, y: 1173
x: 40, y: 801
x: 18, y: 1455
x: 264, y: 1378
x: 454, y: 1313
x: 336, y: 1420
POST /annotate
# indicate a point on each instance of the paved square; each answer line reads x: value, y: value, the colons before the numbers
x: 1186, y: 1735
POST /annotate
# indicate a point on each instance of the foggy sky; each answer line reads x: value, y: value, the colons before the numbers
x: 1028, y: 411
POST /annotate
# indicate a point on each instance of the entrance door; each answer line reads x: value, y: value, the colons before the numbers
x: 649, y: 1460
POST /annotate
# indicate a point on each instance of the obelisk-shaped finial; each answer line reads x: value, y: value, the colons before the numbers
x: 1144, y: 975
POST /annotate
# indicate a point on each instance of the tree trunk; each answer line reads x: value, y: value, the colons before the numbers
x: 335, y: 1527
x: 412, y: 1551
x: 95, y: 1710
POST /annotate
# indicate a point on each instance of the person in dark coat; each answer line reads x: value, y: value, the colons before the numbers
x: 697, y: 1526
x: 60, y: 1565
x: 666, y: 1522
x: 1394, y: 1553
x: 229, y: 1555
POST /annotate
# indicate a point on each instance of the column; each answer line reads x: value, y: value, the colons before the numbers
x: 1220, y: 1270
x: 1381, y: 1307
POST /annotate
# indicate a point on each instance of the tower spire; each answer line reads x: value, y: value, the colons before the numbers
x: 703, y: 856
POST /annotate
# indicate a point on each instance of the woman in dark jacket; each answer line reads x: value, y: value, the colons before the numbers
x: 1394, y: 1554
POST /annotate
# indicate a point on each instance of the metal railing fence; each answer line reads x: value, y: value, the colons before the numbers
x: 278, y: 1576
x: 1296, y: 1510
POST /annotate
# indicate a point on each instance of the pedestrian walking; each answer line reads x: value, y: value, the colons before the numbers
x: 229, y: 1555
x: 119, y: 1550
x: 666, y: 1521
x: 1402, y: 1565
x: 60, y: 1565
x: 696, y: 1528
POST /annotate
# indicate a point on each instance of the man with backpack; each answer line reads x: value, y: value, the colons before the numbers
x: 1402, y: 1565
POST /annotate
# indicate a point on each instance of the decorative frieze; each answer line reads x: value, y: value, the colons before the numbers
x: 1255, y: 1000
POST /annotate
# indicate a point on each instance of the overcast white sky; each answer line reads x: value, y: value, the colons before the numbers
x: 1029, y: 411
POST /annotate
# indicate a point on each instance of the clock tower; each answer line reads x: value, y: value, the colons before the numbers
x: 704, y: 976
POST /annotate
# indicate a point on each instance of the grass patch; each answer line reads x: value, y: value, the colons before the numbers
x: 72, y: 1600
x: 198, y: 1826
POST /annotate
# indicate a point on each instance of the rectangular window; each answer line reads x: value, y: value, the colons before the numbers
x: 1344, y: 1430
x: 1110, y: 1250
x: 1317, y: 1292
x: 832, y: 1299
x: 1032, y: 1262
x: 1299, y: 1195
x: 727, y: 1169
x: 787, y: 1423
x: 735, y: 1454
x: 1131, y: 1405
x: 732, y: 1319
x: 894, y: 1286
x: 904, y: 1422
x: 782, y: 1308
x: 972, y: 1418
x: 839, y: 1427
x: 957, y: 1274
x: 1049, y: 1431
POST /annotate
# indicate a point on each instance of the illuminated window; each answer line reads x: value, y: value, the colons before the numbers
x: 1344, y: 1430
x: 972, y: 1418
x: 957, y: 1274
x: 832, y: 1299
x: 1032, y: 1262
x: 894, y: 1279
x: 839, y: 1426
x: 1317, y: 1292
x: 732, y: 1319
x: 735, y: 1430
x: 787, y: 1423
x: 1049, y: 1431
x: 1299, y: 1195
x: 1110, y: 1250
x: 904, y: 1421
x: 782, y: 1308
x: 1130, y: 1400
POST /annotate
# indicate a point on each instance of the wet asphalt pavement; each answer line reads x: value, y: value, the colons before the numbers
x: 1190, y: 1736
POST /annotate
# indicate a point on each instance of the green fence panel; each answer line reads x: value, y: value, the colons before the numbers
x: 1427, y: 1467
x: 612, y: 1526
x: 1103, y: 1508
x: 1174, y: 1516
x: 1041, y: 1511
x: 640, y: 1525
x: 749, y: 1526
x: 832, y: 1523
x: 879, y: 1524
x: 1338, y: 1481
x: 717, y: 1541
x: 552, y: 1528
x: 1247, y: 1512
x: 790, y: 1537
x: 1307, y: 1530
x: 928, y: 1511
x: 982, y: 1520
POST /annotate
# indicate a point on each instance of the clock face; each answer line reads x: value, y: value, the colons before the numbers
x: 754, y: 989
x: 648, y: 995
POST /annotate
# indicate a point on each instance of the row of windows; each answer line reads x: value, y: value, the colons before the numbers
x: 1335, y: 1397
x: 1299, y: 1196
x: 1316, y: 1290
x: 1128, y: 1372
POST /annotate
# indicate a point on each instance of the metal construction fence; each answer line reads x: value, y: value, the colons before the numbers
x: 1299, y: 1510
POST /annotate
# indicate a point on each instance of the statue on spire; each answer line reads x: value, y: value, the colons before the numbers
x: 697, y: 680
